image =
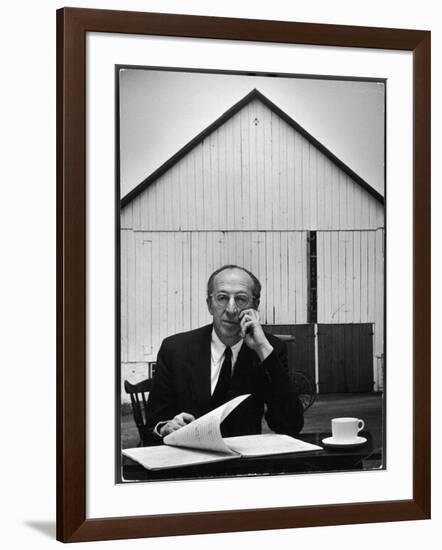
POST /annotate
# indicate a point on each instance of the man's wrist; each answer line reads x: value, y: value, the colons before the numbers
x: 264, y: 350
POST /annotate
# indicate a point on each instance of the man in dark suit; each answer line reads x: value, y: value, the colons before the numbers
x: 201, y: 369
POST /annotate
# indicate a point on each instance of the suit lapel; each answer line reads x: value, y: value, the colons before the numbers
x: 199, y: 354
x: 242, y: 372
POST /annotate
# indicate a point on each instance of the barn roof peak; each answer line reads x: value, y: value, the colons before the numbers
x: 252, y: 95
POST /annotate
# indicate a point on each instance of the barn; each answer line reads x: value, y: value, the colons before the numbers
x: 256, y: 189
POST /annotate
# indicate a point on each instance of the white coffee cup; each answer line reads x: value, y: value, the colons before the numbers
x: 346, y: 429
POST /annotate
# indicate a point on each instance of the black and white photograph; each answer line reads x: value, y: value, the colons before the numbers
x: 250, y: 274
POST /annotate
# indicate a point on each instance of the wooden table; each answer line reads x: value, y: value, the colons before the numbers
x: 326, y: 460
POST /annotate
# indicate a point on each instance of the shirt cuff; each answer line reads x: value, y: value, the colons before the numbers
x: 158, y: 427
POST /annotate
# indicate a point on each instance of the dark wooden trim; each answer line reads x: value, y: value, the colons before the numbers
x: 254, y: 94
x: 72, y: 25
x: 312, y: 279
x: 422, y: 272
x: 71, y: 277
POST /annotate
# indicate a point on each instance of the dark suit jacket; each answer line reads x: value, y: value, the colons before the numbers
x: 182, y: 384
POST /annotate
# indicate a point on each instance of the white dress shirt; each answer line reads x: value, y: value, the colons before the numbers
x: 217, y: 349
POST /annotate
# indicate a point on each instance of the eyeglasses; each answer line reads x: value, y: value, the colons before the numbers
x: 242, y: 300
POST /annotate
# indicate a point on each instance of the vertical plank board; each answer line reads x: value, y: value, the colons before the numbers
x: 164, y: 188
x: 171, y: 283
x: 334, y: 252
x: 206, y: 182
x: 203, y: 275
x: 162, y: 206
x: 284, y: 130
x: 326, y: 236
x: 267, y: 157
x: 247, y: 197
x: 131, y: 296
x: 356, y: 276
x: 349, y: 317
x: 342, y: 200
x: 262, y: 272
x: 225, y: 174
x: 183, y: 195
x: 313, y: 159
x: 233, y: 188
x: 357, y: 201
x: 148, y: 350
x: 299, y: 201
x: 250, y: 219
x: 365, y: 209
x: 306, y: 184
x: 380, y: 215
x: 163, y: 285
x: 275, y: 163
x: 215, y: 218
x: 123, y: 294
x: 301, y: 276
x: 143, y: 198
x: 290, y: 181
x: 150, y: 208
x: 320, y: 276
x: 325, y: 196
x: 320, y: 192
x: 353, y: 221
x: 341, y: 281
x: 364, y: 277
x: 175, y: 198
x: 185, y: 312
x: 291, y: 277
x: 283, y: 309
x: 379, y: 291
x: 193, y: 278
x: 260, y: 168
x: 253, y: 253
x: 155, y: 284
x: 371, y: 257
x: 269, y: 277
x: 139, y: 291
x: 193, y: 191
x: 336, y: 198
x: 177, y: 263
x: 199, y: 187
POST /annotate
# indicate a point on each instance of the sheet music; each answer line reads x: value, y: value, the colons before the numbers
x: 205, y: 432
x: 165, y: 456
x: 268, y: 444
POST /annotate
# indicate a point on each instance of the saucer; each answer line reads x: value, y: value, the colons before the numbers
x: 356, y: 442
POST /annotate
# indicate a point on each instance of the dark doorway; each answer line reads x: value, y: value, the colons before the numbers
x: 345, y: 357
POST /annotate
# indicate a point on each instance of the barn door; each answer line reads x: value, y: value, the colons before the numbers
x: 345, y: 358
x: 300, y: 340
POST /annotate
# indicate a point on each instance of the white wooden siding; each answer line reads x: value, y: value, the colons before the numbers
x: 255, y: 172
x: 351, y: 281
x: 165, y: 275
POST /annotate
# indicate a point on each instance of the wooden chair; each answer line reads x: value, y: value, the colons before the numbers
x: 138, y: 397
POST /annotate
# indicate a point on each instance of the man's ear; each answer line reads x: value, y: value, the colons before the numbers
x: 209, y: 304
x: 256, y: 304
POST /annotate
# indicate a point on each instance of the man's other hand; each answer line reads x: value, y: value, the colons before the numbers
x: 176, y: 423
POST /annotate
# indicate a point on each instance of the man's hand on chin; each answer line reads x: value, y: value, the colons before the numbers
x: 254, y: 337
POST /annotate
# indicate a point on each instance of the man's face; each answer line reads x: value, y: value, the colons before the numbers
x: 232, y: 286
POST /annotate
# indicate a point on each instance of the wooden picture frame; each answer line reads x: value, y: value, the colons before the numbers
x: 72, y: 26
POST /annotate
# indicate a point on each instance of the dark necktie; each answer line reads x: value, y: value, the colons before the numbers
x: 222, y: 386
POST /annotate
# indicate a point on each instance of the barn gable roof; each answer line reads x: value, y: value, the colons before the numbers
x: 254, y: 94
